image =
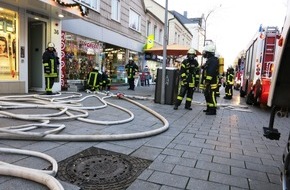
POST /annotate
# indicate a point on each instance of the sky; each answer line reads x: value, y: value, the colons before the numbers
x: 233, y: 23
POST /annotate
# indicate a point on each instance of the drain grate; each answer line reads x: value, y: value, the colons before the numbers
x: 99, y: 169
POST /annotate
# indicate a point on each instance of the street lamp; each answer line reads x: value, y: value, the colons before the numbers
x: 205, y: 20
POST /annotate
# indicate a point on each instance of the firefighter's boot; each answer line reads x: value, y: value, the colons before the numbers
x: 206, y: 110
x: 211, y: 111
x: 177, y: 103
x: 188, y: 105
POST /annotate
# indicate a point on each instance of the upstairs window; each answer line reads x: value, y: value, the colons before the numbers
x: 116, y: 10
x: 92, y: 4
x: 155, y: 33
x: 134, y: 20
x: 160, y: 35
x: 148, y: 28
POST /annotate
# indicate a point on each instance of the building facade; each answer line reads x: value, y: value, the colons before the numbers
x: 95, y: 33
x: 103, y: 33
x: 177, y: 32
x: 105, y: 38
x: 27, y: 26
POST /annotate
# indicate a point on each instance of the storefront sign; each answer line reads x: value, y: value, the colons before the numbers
x: 88, y: 46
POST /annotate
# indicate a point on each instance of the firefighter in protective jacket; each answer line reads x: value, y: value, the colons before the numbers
x: 106, y: 81
x: 187, y: 77
x: 229, y: 83
x: 131, y: 69
x: 210, y: 80
x: 50, y: 62
x: 94, y: 81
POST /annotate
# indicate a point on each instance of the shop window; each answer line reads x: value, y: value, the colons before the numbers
x: 134, y: 20
x: 115, y: 63
x: 8, y: 45
x: 81, y: 55
x: 116, y: 11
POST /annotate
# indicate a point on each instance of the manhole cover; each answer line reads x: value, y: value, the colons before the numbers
x: 94, y: 169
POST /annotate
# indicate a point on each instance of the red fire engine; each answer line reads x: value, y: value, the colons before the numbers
x: 257, y: 65
x: 279, y: 96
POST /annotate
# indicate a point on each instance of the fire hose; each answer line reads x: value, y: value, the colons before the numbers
x: 65, y: 107
x: 70, y: 108
x: 44, y: 177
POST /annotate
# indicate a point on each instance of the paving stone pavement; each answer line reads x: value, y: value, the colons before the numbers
x: 199, y: 152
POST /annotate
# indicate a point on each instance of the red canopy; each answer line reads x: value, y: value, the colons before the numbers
x: 173, y: 49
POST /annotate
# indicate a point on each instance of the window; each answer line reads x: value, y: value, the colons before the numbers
x: 134, y: 20
x: 93, y: 4
x: 115, y: 9
x: 160, y: 35
x: 148, y: 28
x: 85, y: 53
x: 9, y: 45
x: 175, y: 37
x: 155, y: 33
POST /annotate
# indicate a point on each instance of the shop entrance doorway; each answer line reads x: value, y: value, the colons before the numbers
x: 36, y: 47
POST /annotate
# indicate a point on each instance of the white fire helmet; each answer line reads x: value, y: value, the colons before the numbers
x: 209, y: 48
x: 191, y: 51
x: 96, y: 68
x: 217, y: 55
x: 130, y: 58
x: 50, y: 45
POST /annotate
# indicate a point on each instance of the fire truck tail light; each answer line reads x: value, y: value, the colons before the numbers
x: 280, y: 42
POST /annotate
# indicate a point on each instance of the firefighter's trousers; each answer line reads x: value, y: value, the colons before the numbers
x: 185, y: 89
x: 131, y: 83
x: 210, y: 96
x: 49, y: 81
x: 229, y: 91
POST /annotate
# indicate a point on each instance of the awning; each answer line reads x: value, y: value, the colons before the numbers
x: 173, y: 50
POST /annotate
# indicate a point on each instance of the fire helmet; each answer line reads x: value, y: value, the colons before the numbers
x: 191, y: 51
x: 209, y: 48
x: 50, y: 45
x: 217, y: 55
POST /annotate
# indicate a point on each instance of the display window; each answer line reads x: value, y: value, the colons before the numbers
x: 114, y: 63
x: 81, y: 56
x: 8, y: 45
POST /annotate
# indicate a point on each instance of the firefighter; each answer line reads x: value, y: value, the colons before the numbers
x: 210, y: 78
x: 50, y: 62
x: 106, y: 81
x: 94, y: 81
x: 187, y: 76
x: 131, y: 69
x: 229, y: 83
x: 219, y: 79
x: 197, y: 77
x: 219, y: 82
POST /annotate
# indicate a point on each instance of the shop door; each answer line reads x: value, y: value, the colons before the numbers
x: 36, y: 47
